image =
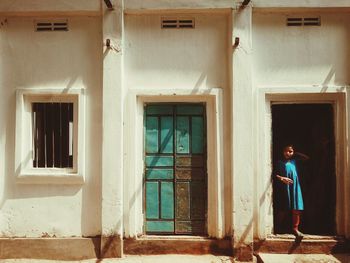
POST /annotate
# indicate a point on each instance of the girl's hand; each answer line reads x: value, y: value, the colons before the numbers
x: 285, y: 180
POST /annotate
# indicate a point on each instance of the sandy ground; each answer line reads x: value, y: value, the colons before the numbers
x: 140, y: 259
x: 267, y: 258
x: 305, y: 258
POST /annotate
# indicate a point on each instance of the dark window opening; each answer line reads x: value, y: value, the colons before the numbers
x: 310, y: 128
x: 52, y: 135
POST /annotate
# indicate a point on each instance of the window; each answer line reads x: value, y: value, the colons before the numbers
x: 49, y: 135
x: 52, y: 134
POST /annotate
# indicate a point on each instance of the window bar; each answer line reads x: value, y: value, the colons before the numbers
x: 45, y: 135
x: 70, y: 136
x: 35, y: 136
x: 41, y: 134
x: 49, y: 134
x: 60, y: 131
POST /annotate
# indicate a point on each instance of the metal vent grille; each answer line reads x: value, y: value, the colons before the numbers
x: 178, y: 23
x: 303, y: 21
x: 312, y: 21
x: 51, y: 25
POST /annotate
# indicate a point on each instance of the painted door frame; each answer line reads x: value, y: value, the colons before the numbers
x: 134, y: 155
x: 286, y: 95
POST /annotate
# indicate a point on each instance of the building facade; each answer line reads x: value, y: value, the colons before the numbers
x: 131, y: 122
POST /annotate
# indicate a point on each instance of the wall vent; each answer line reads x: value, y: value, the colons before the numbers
x: 51, y: 25
x: 177, y: 23
x: 303, y: 21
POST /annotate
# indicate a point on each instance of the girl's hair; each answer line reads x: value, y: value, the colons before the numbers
x: 288, y: 145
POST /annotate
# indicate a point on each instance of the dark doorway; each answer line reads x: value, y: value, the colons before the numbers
x: 310, y: 128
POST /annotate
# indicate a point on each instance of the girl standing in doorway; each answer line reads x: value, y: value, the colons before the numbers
x: 289, y: 184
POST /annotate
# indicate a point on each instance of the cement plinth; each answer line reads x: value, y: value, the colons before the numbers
x: 177, y: 245
x: 50, y: 248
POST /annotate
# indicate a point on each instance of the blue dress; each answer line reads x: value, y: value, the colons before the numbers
x: 292, y: 195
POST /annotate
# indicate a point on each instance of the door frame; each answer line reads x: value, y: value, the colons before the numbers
x: 300, y: 95
x: 134, y: 155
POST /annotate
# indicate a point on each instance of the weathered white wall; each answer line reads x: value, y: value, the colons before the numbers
x: 243, y: 136
x: 175, y: 58
x: 300, y: 3
x: 186, y: 62
x: 313, y: 55
x: 112, y: 149
x: 170, y: 4
x: 49, y: 5
x: 204, y: 4
x: 47, y: 60
x: 297, y: 60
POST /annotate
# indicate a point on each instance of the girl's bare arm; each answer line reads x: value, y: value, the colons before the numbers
x: 302, y: 156
x: 284, y: 180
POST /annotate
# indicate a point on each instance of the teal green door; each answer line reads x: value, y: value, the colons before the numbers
x: 175, y: 169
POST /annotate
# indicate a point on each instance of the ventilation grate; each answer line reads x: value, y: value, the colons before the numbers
x: 303, y: 21
x: 312, y: 21
x: 177, y: 23
x: 51, y: 25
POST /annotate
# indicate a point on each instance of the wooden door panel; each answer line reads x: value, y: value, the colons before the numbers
x: 191, y: 161
x: 198, y: 190
x: 197, y: 135
x: 190, y: 227
x: 167, y: 200
x: 152, y: 135
x: 190, y: 174
x: 183, y: 211
x: 175, y: 174
x: 152, y: 200
x: 161, y: 174
x: 167, y: 132
x: 182, y: 134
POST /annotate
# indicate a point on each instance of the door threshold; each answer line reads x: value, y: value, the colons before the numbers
x: 195, y: 245
x: 173, y: 237
x: 306, y: 237
x: 313, y: 244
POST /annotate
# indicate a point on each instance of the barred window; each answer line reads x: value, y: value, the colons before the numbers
x: 52, y: 125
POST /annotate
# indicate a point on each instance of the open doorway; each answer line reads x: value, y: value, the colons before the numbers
x: 310, y: 128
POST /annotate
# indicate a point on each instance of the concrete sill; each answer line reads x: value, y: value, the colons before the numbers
x: 306, y: 236
x: 177, y: 237
x: 50, y: 179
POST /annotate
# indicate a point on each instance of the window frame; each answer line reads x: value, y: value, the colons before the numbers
x: 24, y: 170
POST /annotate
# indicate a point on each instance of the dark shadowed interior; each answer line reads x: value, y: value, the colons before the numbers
x: 310, y: 128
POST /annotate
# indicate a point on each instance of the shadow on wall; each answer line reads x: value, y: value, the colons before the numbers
x: 302, y: 55
x: 88, y: 196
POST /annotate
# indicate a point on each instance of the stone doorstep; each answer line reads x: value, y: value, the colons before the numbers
x: 50, y: 248
x: 156, y: 245
x: 302, y: 258
x: 310, y: 244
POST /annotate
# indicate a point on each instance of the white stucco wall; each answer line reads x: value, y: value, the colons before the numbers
x: 49, y: 5
x: 293, y: 61
x: 50, y: 60
x: 314, y: 55
x: 204, y: 4
x: 175, y: 58
x: 182, y: 62
x: 300, y: 3
x: 170, y: 4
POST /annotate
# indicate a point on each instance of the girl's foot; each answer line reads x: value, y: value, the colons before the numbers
x: 297, y: 233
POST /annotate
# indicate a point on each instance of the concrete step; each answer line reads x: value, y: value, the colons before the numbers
x: 310, y: 244
x: 302, y: 258
x: 156, y: 245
